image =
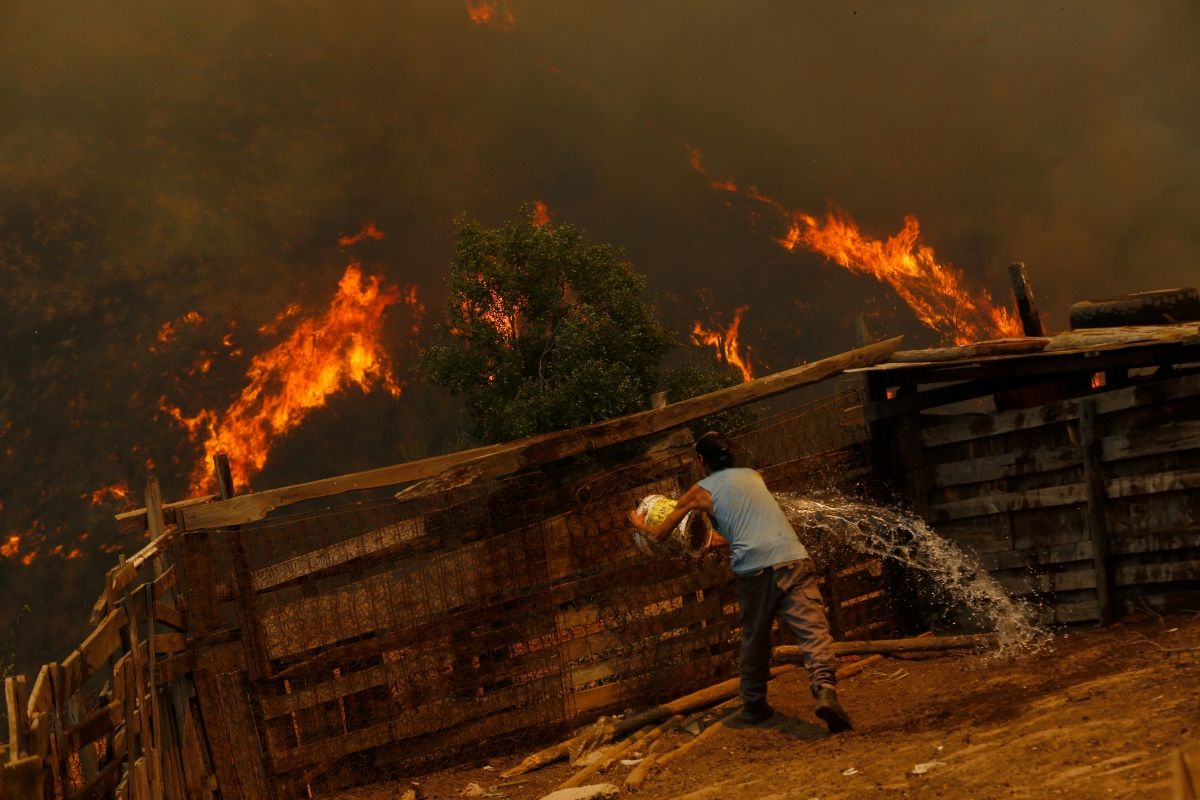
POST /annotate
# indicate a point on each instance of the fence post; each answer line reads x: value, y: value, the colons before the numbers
x: 1097, y: 524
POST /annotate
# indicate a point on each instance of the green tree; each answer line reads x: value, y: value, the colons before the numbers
x: 545, y: 330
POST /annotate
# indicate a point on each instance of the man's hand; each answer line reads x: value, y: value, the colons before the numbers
x: 639, y: 521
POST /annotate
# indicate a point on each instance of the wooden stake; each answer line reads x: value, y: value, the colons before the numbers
x: 154, y: 512
x: 1031, y: 321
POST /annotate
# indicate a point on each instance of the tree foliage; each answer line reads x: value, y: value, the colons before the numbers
x: 545, y: 330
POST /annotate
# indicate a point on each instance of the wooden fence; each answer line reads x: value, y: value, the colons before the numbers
x: 291, y: 655
x: 116, y: 718
x: 1089, y: 505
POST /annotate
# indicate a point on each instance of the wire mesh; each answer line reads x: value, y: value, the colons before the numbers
x: 382, y: 638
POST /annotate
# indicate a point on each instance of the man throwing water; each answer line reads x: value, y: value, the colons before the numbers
x: 775, y: 577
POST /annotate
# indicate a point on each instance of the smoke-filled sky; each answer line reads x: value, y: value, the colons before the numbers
x: 158, y: 159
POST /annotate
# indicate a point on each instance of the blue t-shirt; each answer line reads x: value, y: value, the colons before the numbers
x: 751, y: 520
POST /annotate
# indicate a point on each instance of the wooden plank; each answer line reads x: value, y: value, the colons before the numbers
x: 165, y: 582
x: 18, y: 726
x: 383, y: 542
x: 171, y: 617
x: 961, y: 428
x: 1069, y: 494
x: 40, y: 699
x: 1087, y: 338
x: 1038, y: 556
x: 135, y: 521
x: 216, y: 734
x: 1155, y: 542
x: 246, y: 751
x: 166, y: 643
x: 22, y: 779
x: 1153, y: 483
x: 906, y: 403
x: 99, y: 722
x: 155, y: 522
x: 1172, y: 437
x: 1082, y: 611
x: 1003, y: 502
x: 1049, y: 362
x: 100, y: 645
x: 1168, y: 572
x: 503, y: 459
x: 1176, y: 437
x: 126, y: 574
x: 1097, y: 525
x: 1003, y: 465
x: 172, y: 669
x: 994, y: 347
x: 1068, y: 580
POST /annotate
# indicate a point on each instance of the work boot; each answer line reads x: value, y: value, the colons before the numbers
x: 754, y: 713
x: 830, y: 710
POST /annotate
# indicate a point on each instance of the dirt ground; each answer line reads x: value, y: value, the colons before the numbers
x: 1094, y: 715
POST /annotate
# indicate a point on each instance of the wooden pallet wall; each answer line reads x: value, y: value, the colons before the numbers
x: 1089, y: 505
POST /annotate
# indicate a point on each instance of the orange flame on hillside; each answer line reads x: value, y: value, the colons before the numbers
x: 117, y: 492
x: 726, y: 343
x: 11, y: 546
x: 169, y: 329
x: 369, y: 231
x: 495, y: 14
x: 541, y: 213
x: 323, y: 355
x: 935, y: 292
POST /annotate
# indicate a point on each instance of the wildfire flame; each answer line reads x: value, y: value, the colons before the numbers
x: 369, y: 231
x: 495, y: 14
x: 169, y: 329
x: 118, y: 492
x: 541, y: 213
x: 323, y: 355
x: 725, y: 342
x: 935, y: 292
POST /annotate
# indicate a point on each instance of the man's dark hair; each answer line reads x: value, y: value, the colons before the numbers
x: 716, y: 451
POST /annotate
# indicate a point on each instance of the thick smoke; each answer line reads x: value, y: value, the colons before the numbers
x: 157, y: 159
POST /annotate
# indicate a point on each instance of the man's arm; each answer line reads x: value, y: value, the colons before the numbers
x: 696, y: 497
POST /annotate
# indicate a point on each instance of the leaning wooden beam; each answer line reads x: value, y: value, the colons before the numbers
x: 493, y: 460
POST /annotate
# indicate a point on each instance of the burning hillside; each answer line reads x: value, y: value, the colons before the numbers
x: 173, y: 181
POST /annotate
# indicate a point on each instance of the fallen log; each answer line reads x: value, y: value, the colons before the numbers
x: 690, y: 702
x: 706, y: 734
x: 851, y: 670
x: 913, y: 645
x: 635, y: 779
x: 600, y: 761
x: 609, y: 756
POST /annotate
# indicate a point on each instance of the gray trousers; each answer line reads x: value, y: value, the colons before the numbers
x: 790, y: 592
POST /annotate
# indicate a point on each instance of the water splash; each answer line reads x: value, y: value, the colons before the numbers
x: 954, y: 578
